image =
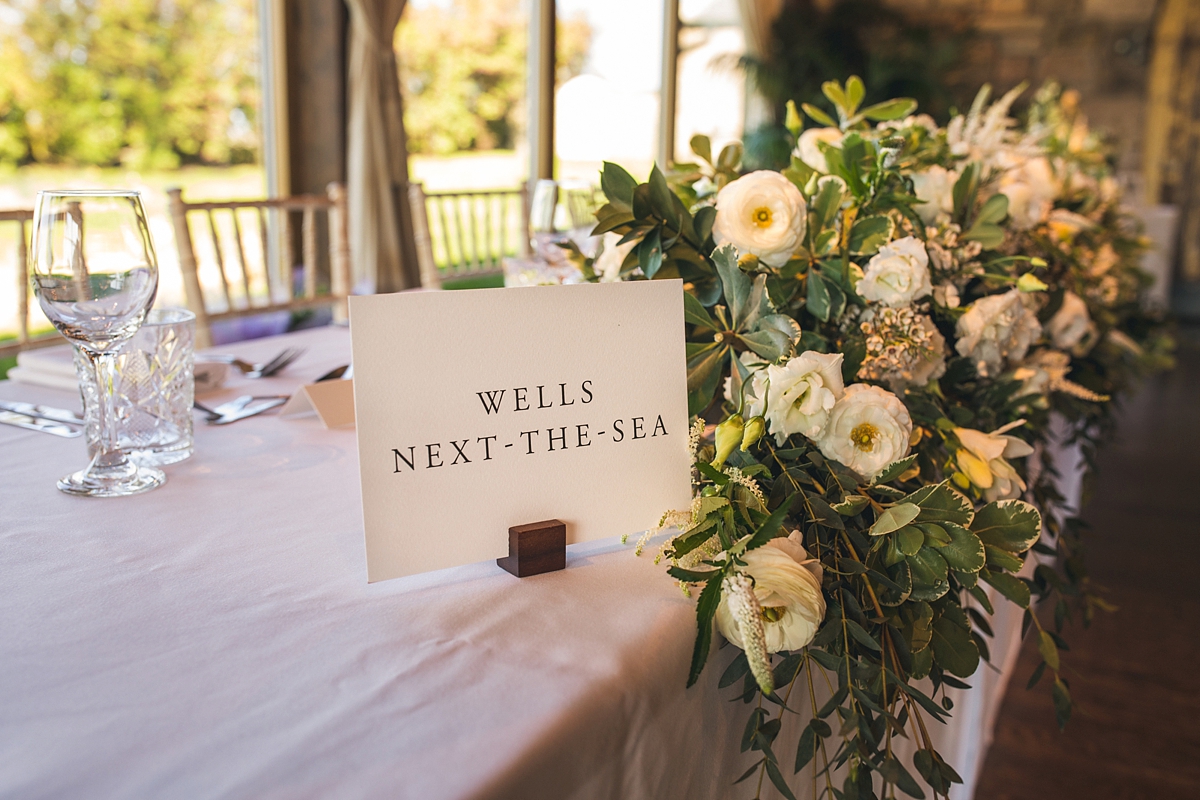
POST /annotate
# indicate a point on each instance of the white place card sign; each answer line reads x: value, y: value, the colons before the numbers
x: 480, y: 410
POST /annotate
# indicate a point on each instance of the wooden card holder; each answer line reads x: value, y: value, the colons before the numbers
x: 536, y: 548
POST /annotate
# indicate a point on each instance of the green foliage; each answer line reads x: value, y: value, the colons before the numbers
x: 912, y: 559
x: 462, y: 72
x: 140, y: 83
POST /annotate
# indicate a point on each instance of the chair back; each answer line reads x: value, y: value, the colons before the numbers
x: 242, y: 286
x: 469, y: 233
x: 21, y: 219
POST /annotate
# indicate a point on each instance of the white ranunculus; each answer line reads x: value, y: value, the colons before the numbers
x: 1030, y: 189
x: 802, y: 392
x: 808, y: 148
x: 935, y: 186
x: 984, y: 460
x: 868, y: 429
x: 761, y: 213
x: 1071, y: 328
x: 897, y: 274
x: 787, y: 583
x: 996, y: 329
x: 612, y: 255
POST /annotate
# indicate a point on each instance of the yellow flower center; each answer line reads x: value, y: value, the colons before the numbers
x: 772, y: 613
x: 864, y: 436
x: 761, y: 217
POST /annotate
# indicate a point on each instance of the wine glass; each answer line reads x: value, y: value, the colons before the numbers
x: 95, y: 275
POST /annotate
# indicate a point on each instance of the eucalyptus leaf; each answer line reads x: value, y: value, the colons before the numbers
x: 702, y: 147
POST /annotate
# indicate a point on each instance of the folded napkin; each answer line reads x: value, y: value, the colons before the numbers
x: 54, y: 368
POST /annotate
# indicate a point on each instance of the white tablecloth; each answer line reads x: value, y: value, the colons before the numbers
x: 217, y: 638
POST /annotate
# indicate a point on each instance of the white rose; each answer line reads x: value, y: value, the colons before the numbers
x: 897, y: 274
x: 1029, y: 187
x: 983, y: 460
x: 868, y: 429
x: 935, y: 186
x: 802, y: 392
x: 608, y: 263
x: 808, y: 148
x: 787, y: 584
x: 997, y: 328
x: 761, y: 213
x: 1071, y: 328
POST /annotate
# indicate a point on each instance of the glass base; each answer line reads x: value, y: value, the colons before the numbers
x: 119, y: 482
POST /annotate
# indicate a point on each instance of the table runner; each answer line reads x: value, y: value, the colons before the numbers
x: 217, y: 638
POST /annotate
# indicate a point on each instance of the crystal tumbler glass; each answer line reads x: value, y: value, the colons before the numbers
x: 153, y: 388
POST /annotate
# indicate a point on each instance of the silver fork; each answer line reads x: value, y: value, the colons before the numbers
x: 264, y: 370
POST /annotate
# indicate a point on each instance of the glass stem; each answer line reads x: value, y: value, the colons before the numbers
x: 109, y: 453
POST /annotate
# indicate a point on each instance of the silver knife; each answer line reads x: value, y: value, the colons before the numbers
x: 42, y: 412
x: 249, y: 410
x: 39, y: 424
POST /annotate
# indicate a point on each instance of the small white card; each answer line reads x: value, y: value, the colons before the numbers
x: 478, y: 410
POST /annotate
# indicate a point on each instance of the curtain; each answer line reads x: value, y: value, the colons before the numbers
x: 757, y: 18
x: 381, y: 242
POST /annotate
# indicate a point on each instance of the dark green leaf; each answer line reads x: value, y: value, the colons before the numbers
x: 909, y: 540
x: 964, y: 553
x: 649, y: 252
x: 736, y: 670
x: 819, y: 302
x: 1008, y: 585
x: 706, y: 609
x: 1012, y: 525
x: 869, y: 234
x: 895, y: 469
x: 1002, y: 559
x: 1062, y: 702
x: 852, y: 504
x: 929, y: 574
x: 953, y: 647
x: 777, y: 779
x: 940, y: 503
x: 861, y: 636
x: 618, y: 186
x: 1048, y: 650
x: 893, y: 772
x: 1036, y: 676
x: 894, y: 518
x: 691, y: 575
x: 697, y: 314
x: 807, y: 747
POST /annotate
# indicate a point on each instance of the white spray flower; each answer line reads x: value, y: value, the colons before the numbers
x: 897, y: 274
x: 935, y: 186
x: 996, y: 329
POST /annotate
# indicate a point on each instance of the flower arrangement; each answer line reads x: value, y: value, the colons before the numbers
x: 880, y: 333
